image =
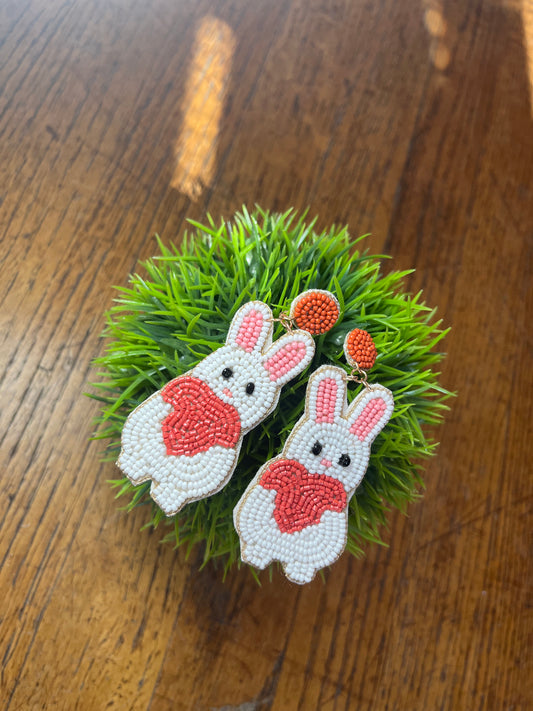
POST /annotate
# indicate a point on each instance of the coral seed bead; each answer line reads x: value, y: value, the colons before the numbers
x: 315, y: 311
x: 360, y: 349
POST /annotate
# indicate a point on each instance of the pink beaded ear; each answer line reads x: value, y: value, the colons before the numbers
x: 295, y: 510
x: 326, y: 401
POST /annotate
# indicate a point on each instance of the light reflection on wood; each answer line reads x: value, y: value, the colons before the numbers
x: 437, y: 28
x: 209, y: 75
x: 527, y: 24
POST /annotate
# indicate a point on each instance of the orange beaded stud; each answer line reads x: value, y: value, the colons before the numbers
x: 315, y: 311
x: 359, y: 349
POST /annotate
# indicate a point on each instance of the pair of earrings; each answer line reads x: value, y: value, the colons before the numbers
x: 186, y: 437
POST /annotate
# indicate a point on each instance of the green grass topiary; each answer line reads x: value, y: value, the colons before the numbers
x: 162, y: 324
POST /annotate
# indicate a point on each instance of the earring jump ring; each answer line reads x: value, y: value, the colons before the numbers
x: 286, y: 321
x: 358, y: 375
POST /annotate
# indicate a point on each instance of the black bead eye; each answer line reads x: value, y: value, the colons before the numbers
x: 250, y: 388
x: 344, y: 460
x: 317, y: 448
x: 227, y: 373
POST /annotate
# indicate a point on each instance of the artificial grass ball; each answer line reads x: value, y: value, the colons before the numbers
x: 165, y: 321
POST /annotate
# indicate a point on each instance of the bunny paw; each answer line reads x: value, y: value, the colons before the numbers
x: 134, y: 467
x: 299, y: 572
x: 169, y: 498
x: 258, y: 557
x: 142, y: 439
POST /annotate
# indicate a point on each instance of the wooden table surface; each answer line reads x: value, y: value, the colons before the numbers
x: 411, y: 120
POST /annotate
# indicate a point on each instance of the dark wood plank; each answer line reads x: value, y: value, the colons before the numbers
x: 412, y: 121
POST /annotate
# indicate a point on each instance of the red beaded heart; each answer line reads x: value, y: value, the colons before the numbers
x: 302, y: 497
x: 200, y: 419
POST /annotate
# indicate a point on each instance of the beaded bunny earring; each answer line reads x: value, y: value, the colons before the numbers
x: 295, y: 510
x: 186, y: 437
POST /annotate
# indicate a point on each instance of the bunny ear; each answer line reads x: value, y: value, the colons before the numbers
x: 251, y: 327
x: 326, y: 394
x: 370, y: 412
x: 289, y: 355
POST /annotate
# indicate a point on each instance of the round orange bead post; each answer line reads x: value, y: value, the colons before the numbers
x: 359, y: 349
x: 315, y: 311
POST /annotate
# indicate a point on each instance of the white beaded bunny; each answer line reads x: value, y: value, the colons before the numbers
x: 186, y: 437
x: 295, y: 510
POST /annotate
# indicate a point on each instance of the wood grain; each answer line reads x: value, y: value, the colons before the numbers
x: 409, y: 120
